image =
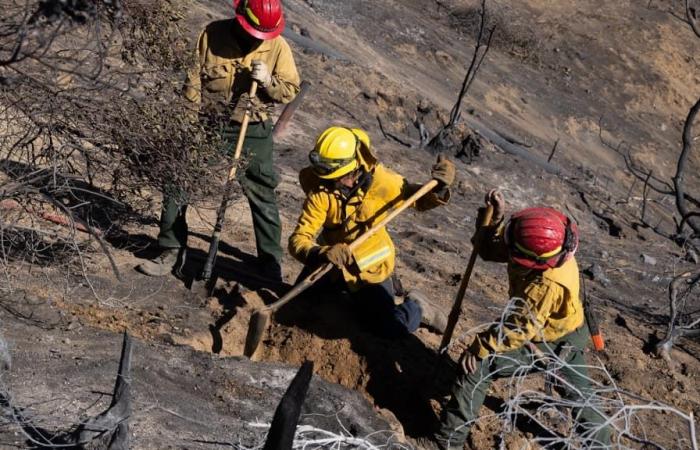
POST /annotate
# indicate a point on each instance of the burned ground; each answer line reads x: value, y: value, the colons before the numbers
x: 611, y: 82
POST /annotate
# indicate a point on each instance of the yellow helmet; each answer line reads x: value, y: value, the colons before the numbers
x: 335, y: 153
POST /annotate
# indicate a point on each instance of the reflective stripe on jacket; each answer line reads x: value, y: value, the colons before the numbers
x: 550, y: 308
x: 222, y: 71
x: 328, y: 218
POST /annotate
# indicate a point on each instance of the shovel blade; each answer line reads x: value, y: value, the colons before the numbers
x: 259, y: 321
x: 201, y: 289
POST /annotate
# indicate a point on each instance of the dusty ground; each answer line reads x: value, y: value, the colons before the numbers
x: 557, y: 71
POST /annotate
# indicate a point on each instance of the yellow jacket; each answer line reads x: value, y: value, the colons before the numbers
x: 335, y: 219
x: 551, y: 307
x: 221, y: 74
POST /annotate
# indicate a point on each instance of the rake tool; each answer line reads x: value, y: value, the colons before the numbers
x: 484, y: 220
x: 201, y: 285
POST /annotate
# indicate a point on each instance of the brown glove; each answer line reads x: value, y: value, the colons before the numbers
x: 339, y: 255
x: 495, y: 198
x: 443, y: 171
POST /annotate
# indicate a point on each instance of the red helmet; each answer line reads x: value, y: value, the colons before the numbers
x: 541, y: 238
x: 262, y: 19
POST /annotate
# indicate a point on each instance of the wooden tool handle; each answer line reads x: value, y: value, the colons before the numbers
x: 427, y: 187
x: 457, y: 305
x: 324, y: 269
x: 241, y: 135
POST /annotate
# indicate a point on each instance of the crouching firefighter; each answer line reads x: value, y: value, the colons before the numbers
x: 545, y: 316
x: 347, y: 192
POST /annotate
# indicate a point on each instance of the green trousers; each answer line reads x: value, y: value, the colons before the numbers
x: 258, y: 182
x: 469, y: 391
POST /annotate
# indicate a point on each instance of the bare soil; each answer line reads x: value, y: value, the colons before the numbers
x: 590, y: 74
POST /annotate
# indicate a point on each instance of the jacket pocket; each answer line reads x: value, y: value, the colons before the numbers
x: 373, y: 252
x: 215, y: 78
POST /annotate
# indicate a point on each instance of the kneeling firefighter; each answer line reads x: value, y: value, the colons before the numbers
x: 347, y: 191
x: 545, y: 318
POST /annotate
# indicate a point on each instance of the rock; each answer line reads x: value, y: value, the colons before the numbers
x: 5, y: 359
x: 650, y: 260
x: 443, y: 56
x: 596, y: 273
x: 692, y: 256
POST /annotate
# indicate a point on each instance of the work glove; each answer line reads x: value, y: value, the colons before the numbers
x: 443, y: 171
x: 339, y: 255
x: 260, y: 73
x: 495, y: 198
x: 469, y: 362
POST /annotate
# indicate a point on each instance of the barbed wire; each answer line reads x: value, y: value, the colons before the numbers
x: 623, y: 412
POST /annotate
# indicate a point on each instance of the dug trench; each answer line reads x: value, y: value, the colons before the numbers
x: 400, y: 377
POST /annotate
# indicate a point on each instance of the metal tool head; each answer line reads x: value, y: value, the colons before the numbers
x: 259, y: 321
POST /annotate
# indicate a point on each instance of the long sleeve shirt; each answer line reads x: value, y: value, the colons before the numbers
x: 544, y: 306
x: 221, y: 74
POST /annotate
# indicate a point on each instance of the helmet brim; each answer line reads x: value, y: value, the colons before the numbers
x: 264, y: 35
x: 551, y: 263
x: 340, y: 172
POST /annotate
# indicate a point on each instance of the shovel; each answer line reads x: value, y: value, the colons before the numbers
x: 201, y: 285
x: 484, y: 220
x: 260, y: 318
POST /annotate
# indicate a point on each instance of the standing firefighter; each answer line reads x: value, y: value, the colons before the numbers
x: 546, y: 315
x: 231, y: 54
x: 347, y: 191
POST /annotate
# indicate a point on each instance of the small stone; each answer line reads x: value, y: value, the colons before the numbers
x: 596, y: 273
x: 650, y: 260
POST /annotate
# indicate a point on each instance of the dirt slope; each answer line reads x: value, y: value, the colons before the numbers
x: 557, y: 71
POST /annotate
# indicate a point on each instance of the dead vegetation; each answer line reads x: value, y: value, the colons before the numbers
x: 93, y: 126
x: 94, y: 163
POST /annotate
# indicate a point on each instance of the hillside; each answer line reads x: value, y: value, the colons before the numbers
x: 610, y: 82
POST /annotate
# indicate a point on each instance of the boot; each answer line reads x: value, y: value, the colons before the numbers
x: 270, y: 269
x: 169, y: 260
x: 432, y: 317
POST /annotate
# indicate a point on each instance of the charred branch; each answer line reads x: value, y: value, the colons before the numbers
x: 284, y: 423
x: 481, y: 48
x: 691, y: 14
x: 111, y: 427
x: 678, y: 179
x: 680, y: 322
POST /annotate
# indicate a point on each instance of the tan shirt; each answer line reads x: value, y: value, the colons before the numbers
x: 550, y: 306
x: 222, y: 72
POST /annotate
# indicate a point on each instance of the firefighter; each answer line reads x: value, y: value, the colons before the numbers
x: 545, y: 315
x: 230, y: 55
x: 347, y: 191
